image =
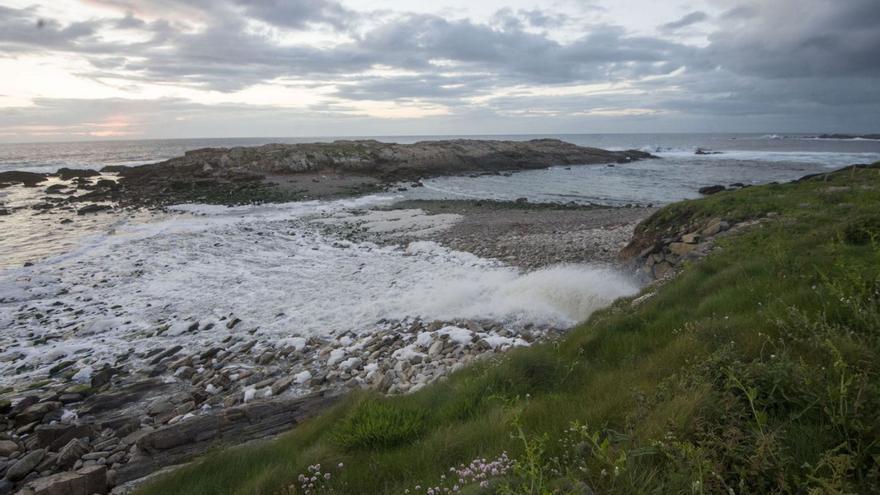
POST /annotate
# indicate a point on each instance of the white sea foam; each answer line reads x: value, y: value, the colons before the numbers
x: 271, y: 267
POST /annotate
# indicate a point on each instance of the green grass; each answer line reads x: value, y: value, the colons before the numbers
x: 754, y: 371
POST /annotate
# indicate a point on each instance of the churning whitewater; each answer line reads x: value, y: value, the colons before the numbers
x: 280, y: 271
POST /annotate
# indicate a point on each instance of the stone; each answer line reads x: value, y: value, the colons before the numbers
x: 102, y: 377
x: 708, y: 190
x: 29, y: 179
x: 184, y: 440
x: 36, y: 412
x: 25, y: 465
x: 93, y: 208
x: 70, y: 453
x: 435, y: 348
x: 74, y: 173
x: 690, y: 238
x: 282, y: 384
x: 383, y: 381
x: 662, y: 269
x: 53, y: 437
x: 714, y: 227
x: 7, y: 447
x: 87, y: 481
x: 681, y: 249
x: 160, y: 406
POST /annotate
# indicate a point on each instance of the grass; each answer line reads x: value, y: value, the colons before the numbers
x: 754, y: 371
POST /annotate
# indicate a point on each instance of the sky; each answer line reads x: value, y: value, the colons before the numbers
x: 140, y: 69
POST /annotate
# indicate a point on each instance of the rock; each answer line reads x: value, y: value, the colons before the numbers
x: 53, y: 437
x: 94, y: 208
x: 435, y: 348
x: 94, y: 456
x: 160, y: 406
x: 183, y: 440
x: 708, y: 190
x: 25, y: 465
x: 185, y: 372
x: 383, y: 381
x: 55, y: 188
x: 102, y: 377
x: 70, y: 453
x: 36, y: 412
x: 681, y: 249
x: 690, y: 238
x: 662, y: 269
x: 166, y: 353
x: 76, y: 173
x: 6, y: 487
x: 87, y: 481
x: 7, y: 447
x: 714, y: 227
x: 282, y: 384
x: 29, y: 179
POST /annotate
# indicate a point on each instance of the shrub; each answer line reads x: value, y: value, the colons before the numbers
x: 862, y: 230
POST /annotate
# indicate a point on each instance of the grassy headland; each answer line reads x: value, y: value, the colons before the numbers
x: 753, y: 371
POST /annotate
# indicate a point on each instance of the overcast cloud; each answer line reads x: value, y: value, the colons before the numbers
x: 169, y: 68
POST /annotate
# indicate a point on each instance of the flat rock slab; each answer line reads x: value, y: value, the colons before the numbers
x: 187, y: 439
x: 87, y: 481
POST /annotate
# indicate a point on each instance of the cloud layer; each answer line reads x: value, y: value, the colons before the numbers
x: 799, y: 64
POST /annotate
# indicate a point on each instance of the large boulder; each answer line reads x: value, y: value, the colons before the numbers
x: 7, y: 447
x: 708, y: 190
x: 74, y: 173
x: 36, y: 412
x: 70, y: 453
x: 25, y: 465
x: 29, y: 179
x: 55, y: 436
x: 87, y: 481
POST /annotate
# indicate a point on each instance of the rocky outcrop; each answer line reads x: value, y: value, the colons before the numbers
x: 180, y: 442
x: 86, y: 481
x: 246, y: 174
x: 387, y: 160
x: 658, y: 251
x: 29, y: 179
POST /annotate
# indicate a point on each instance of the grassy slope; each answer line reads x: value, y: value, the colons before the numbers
x: 755, y: 370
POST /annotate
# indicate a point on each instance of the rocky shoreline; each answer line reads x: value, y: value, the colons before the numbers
x: 84, y: 428
x: 291, y: 172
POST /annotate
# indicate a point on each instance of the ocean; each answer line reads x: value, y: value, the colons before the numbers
x: 124, y: 273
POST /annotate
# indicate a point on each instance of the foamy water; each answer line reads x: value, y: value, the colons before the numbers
x: 271, y: 267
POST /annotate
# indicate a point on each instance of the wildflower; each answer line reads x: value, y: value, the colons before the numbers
x: 341, y: 465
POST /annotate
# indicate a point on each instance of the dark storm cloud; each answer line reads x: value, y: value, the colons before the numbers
x: 787, y: 57
x: 801, y: 38
x: 687, y: 20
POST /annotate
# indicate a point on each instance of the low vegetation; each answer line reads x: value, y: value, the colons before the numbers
x: 754, y: 371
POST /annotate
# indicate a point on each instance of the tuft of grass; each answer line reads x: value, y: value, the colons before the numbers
x: 756, y: 370
x: 375, y: 424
